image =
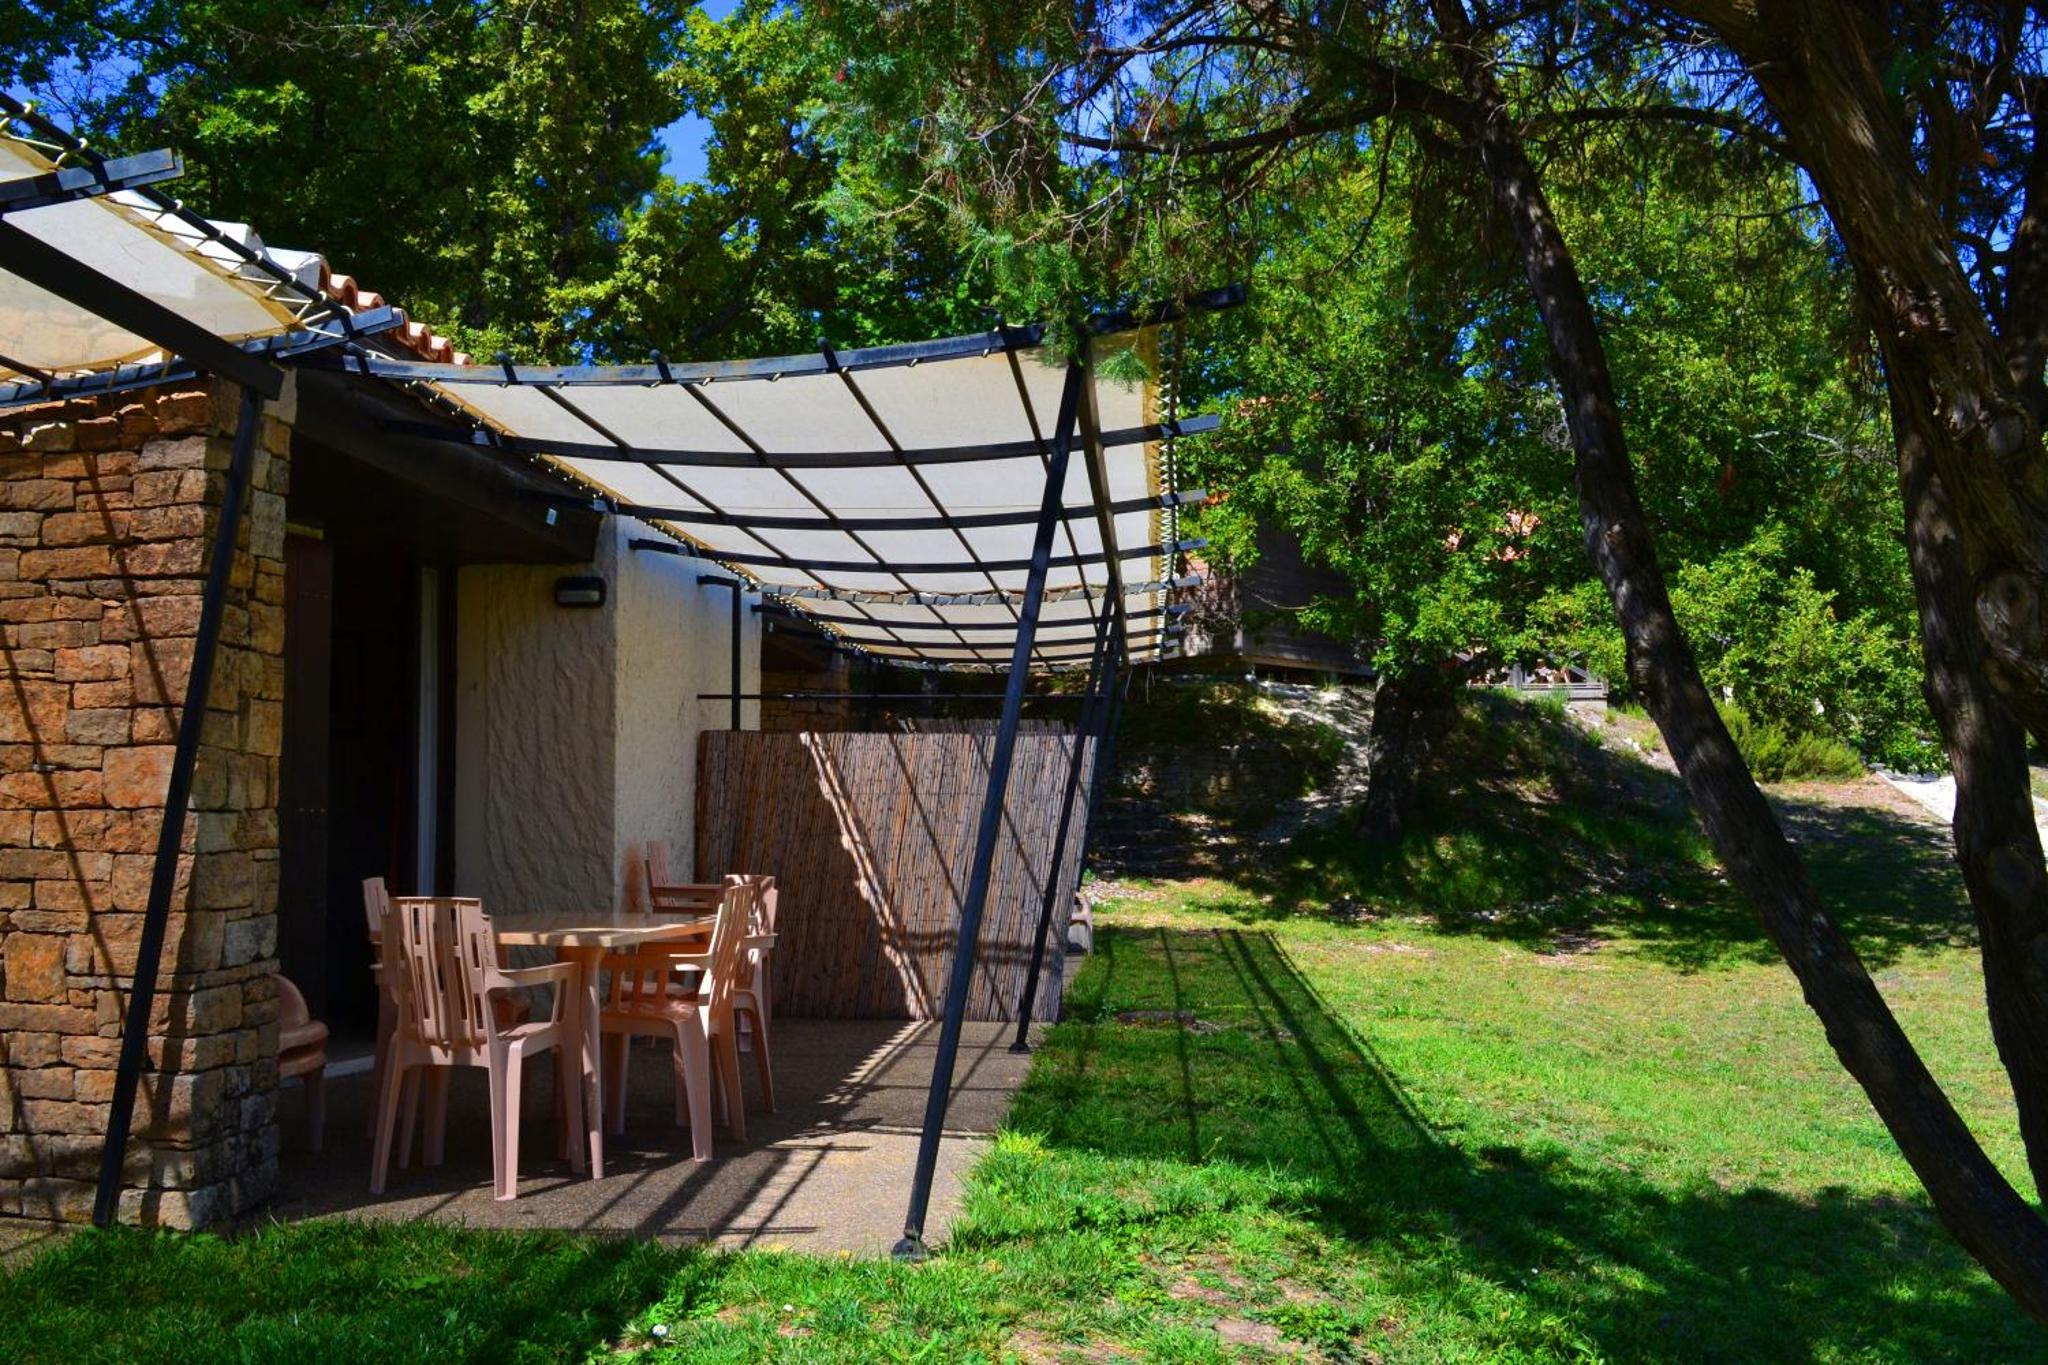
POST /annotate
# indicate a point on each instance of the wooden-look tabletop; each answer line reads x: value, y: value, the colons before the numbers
x: 594, y: 929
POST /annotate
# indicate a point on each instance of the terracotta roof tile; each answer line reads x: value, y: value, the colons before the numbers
x: 415, y: 338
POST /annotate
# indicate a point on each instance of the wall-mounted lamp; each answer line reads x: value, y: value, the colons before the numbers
x: 579, y: 592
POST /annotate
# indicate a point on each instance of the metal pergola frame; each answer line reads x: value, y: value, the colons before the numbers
x: 173, y: 369
x: 974, y: 900
x: 255, y: 368
x: 899, y: 569
x: 773, y: 522
x: 734, y: 459
x: 1172, y: 609
x: 90, y: 180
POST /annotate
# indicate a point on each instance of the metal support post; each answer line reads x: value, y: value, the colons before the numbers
x: 738, y: 596
x: 171, y: 834
x: 976, y: 898
x: 1084, y: 729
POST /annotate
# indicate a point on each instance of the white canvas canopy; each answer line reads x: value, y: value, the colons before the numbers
x: 891, y: 494
x: 172, y: 258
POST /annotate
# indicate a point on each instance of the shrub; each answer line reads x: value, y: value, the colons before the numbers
x: 1777, y: 645
x: 1775, y: 754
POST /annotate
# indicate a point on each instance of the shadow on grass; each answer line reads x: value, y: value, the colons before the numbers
x: 1535, y: 831
x: 339, y: 1291
x: 1194, y: 1055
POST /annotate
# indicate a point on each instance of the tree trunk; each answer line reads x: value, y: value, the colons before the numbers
x: 1976, y: 1203
x: 1942, y: 361
x: 1411, y: 711
x: 1974, y: 480
x: 1997, y: 843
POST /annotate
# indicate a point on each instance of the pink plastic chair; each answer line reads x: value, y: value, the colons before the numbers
x: 376, y: 905
x: 443, y: 961
x: 302, y: 1052
x: 683, y: 992
x: 665, y: 897
x: 512, y: 1009
x: 753, y: 989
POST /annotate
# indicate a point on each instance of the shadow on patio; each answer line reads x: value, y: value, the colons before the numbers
x: 829, y: 1172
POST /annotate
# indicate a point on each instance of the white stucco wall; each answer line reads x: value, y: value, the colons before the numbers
x: 576, y: 730
x: 674, y: 643
x: 533, y: 743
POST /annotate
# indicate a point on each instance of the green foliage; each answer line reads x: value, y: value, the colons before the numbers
x: 1368, y: 418
x: 1250, y: 750
x: 496, y: 171
x: 1389, y: 393
x: 1774, y: 643
x: 465, y: 160
x: 751, y: 260
x: 1775, y: 754
x: 1523, y: 817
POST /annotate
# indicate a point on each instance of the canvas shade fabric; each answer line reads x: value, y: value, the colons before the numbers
x: 891, y: 494
x: 145, y: 245
x: 779, y: 468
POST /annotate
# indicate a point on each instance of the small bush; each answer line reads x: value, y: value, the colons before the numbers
x: 1775, y: 754
x: 1770, y: 637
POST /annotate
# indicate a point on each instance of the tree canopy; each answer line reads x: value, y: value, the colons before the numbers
x: 1121, y: 146
x: 497, y: 170
x: 1525, y: 276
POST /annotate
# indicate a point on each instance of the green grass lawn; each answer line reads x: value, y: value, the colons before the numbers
x: 1538, y: 1091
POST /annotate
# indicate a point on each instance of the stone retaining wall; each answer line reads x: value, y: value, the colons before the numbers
x: 106, y: 515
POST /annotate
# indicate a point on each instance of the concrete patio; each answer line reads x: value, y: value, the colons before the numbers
x: 828, y: 1173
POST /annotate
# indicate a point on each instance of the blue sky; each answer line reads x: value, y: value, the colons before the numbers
x: 683, y: 140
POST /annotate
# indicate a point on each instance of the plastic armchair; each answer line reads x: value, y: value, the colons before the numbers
x: 667, y: 897
x: 684, y: 992
x: 753, y: 1000
x: 514, y: 1009
x: 442, y: 959
x: 302, y: 1052
x: 376, y: 905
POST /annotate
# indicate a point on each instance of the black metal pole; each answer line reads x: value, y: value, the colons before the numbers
x: 1084, y: 728
x: 713, y: 580
x: 171, y: 834
x: 976, y: 899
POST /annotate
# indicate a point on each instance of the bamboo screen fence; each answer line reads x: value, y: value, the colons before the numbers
x: 870, y: 835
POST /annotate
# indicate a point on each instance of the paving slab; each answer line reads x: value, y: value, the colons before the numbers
x: 23, y: 1239
x: 828, y: 1173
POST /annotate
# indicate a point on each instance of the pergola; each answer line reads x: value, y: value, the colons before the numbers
x: 980, y: 502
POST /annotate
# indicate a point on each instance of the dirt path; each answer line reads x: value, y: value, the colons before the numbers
x: 1937, y: 795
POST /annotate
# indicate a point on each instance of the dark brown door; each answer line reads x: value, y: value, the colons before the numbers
x: 302, y: 778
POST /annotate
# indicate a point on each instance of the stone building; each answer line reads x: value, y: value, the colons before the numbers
x: 395, y: 681
x: 469, y: 639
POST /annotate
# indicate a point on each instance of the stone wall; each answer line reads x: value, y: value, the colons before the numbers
x: 107, y: 509
x: 803, y: 666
